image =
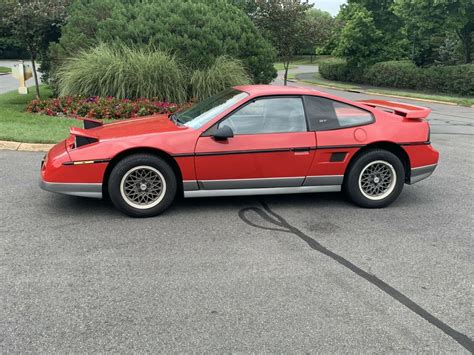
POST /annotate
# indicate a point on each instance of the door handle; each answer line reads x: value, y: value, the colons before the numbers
x: 300, y: 150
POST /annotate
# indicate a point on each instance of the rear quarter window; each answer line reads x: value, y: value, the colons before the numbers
x: 326, y: 114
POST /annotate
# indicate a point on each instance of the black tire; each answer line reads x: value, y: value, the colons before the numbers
x: 146, y: 171
x: 381, y: 183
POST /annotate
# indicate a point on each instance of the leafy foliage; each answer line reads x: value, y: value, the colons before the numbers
x: 396, y: 74
x: 34, y: 24
x: 224, y: 73
x: 427, y: 22
x: 359, y: 39
x: 338, y: 69
x: 284, y: 23
x: 454, y: 79
x: 196, y: 31
x: 100, y: 107
x: 320, y: 28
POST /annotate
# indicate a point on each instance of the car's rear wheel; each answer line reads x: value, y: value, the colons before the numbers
x: 375, y: 179
x: 142, y: 185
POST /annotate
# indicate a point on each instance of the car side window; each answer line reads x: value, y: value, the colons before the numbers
x: 325, y: 114
x: 268, y: 115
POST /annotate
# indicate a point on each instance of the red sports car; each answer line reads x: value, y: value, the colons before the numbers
x: 247, y: 140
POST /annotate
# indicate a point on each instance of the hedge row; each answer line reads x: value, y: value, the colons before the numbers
x: 455, y: 79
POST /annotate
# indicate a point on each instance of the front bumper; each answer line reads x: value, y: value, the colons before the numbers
x: 79, y: 189
x: 421, y: 173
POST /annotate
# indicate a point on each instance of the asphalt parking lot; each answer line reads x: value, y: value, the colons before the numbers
x: 294, y: 273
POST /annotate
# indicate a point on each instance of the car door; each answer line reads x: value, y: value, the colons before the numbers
x: 271, y: 147
x: 341, y: 130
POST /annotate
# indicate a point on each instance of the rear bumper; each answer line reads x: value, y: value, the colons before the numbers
x: 81, y: 189
x: 421, y: 173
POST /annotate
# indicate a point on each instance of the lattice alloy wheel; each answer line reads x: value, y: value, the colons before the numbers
x: 143, y: 187
x: 377, y: 180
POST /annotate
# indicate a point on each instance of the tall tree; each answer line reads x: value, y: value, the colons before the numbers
x: 320, y: 26
x: 359, y: 39
x: 284, y: 23
x: 461, y: 18
x: 428, y: 22
x: 34, y: 23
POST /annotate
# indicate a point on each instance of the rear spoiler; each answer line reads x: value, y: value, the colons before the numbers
x: 400, y: 109
x: 90, y: 122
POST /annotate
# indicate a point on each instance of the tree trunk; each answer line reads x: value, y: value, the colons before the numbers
x: 286, y: 65
x: 465, y: 35
x: 35, y: 74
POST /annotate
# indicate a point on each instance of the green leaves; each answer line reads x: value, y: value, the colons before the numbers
x: 359, y: 40
x: 195, y: 31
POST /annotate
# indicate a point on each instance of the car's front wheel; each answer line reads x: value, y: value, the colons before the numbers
x: 375, y: 179
x: 142, y: 185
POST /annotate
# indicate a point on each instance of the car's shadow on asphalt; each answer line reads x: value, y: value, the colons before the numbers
x: 70, y: 205
x: 88, y: 206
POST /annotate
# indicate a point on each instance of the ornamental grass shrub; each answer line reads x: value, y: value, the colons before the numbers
x: 123, y: 72
x: 127, y: 72
x: 224, y: 73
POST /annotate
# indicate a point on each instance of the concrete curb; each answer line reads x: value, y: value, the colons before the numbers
x: 25, y: 147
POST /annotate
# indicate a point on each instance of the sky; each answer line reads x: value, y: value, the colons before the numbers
x: 331, y: 6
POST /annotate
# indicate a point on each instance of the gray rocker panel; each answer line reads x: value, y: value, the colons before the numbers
x: 421, y: 173
x: 262, y: 191
x: 81, y: 190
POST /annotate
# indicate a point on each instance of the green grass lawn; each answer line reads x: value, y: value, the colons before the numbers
x: 4, y: 70
x: 303, y: 60
x: 280, y: 66
x: 18, y: 125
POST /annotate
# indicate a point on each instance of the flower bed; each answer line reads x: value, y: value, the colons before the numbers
x: 100, y: 107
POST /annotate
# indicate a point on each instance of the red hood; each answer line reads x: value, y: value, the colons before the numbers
x: 136, y: 127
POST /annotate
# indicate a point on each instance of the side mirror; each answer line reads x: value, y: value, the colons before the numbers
x: 223, y: 133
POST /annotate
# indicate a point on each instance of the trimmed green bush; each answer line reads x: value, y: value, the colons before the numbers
x: 454, y: 79
x: 224, y: 73
x: 123, y: 72
x: 394, y: 74
x: 337, y: 69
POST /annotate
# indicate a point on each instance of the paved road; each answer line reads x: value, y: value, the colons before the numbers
x: 9, y: 83
x: 213, y: 275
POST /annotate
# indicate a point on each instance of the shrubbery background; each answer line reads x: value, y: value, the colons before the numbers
x: 196, y: 32
x: 452, y: 79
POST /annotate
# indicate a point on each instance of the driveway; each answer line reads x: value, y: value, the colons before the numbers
x: 8, y: 82
x: 287, y: 274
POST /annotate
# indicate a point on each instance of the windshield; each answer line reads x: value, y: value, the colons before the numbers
x: 202, y: 112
